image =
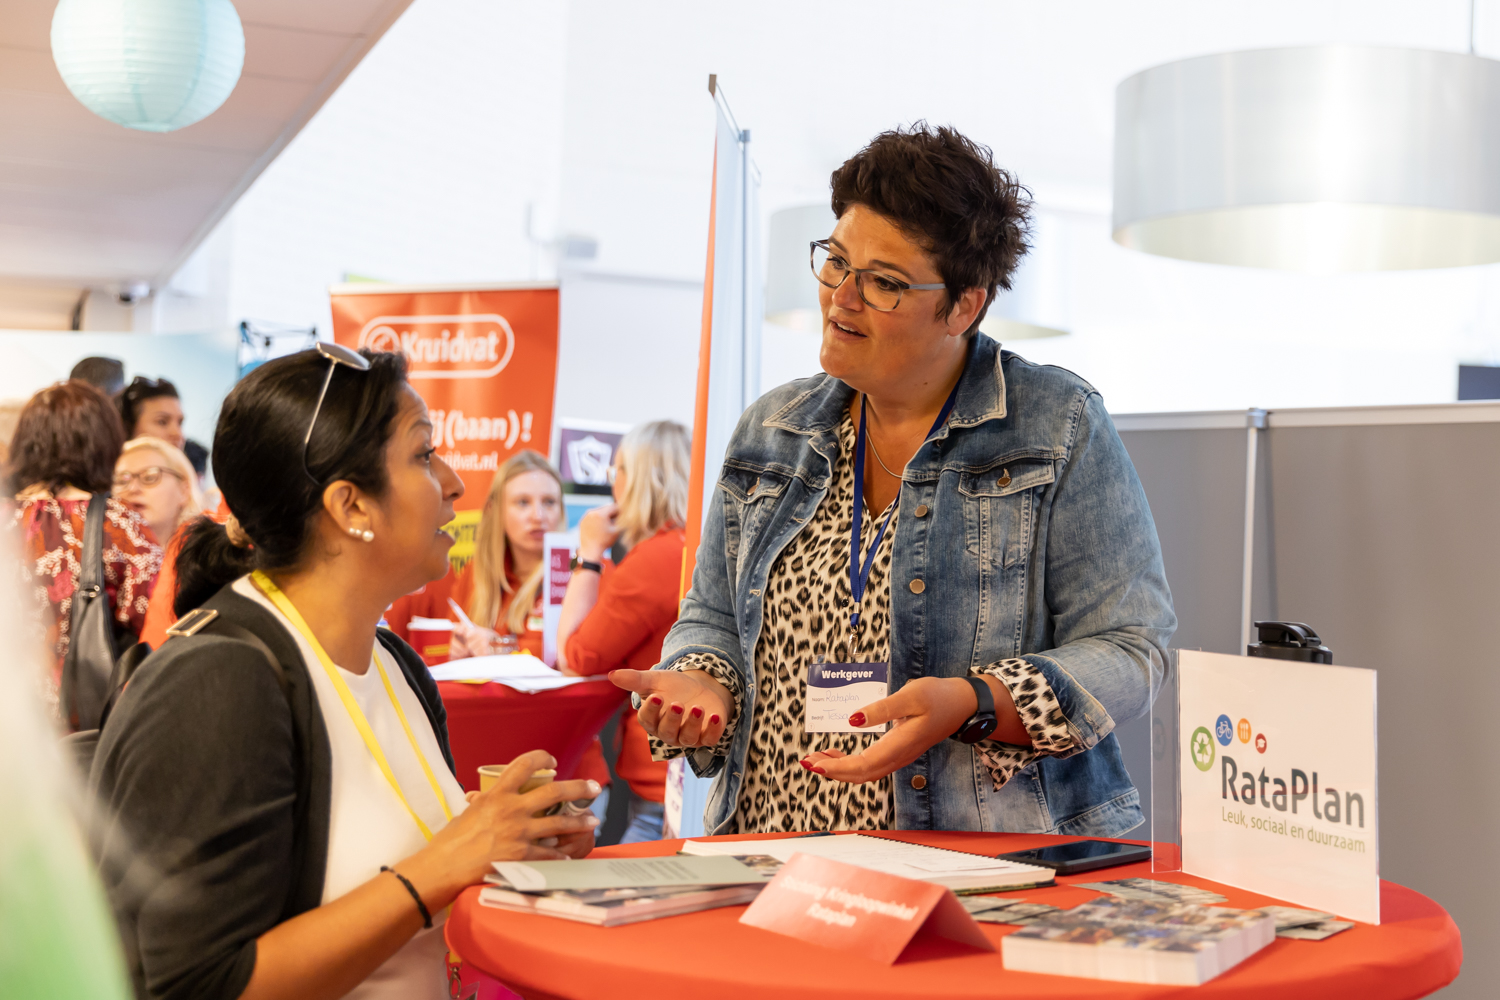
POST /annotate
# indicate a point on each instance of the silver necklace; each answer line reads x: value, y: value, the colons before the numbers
x: 870, y: 440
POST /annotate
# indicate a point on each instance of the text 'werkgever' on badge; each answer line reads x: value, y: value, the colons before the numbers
x: 836, y: 691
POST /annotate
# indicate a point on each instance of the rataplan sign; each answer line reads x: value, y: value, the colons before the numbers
x: 1278, y: 794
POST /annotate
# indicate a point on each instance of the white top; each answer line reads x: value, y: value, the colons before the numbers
x: 368, y: 826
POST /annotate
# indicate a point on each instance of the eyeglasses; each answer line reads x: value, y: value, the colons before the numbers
x: 147, y: 477
x: 337, y: 355
x: 881, y: 291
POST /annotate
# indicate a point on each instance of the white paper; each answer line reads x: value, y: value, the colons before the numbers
x: 837, y: 690
x: 1290, y: 727
x: 520, y: 671
x: 558, y: 550
x: 893, y: 857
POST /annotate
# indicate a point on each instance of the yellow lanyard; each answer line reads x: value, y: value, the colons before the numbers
x: 269, y: 588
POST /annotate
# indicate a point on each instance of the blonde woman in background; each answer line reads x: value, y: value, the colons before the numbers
x: 157, y: 481
x: 501, y: 587
x: 618, y: 616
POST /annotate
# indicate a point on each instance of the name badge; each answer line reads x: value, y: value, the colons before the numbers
x: 836, y: 691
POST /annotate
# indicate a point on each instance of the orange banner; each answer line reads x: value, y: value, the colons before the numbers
x: 485, y: 360
x: 699, y: 468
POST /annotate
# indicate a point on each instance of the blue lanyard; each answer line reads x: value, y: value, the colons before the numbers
x: 859, y: 574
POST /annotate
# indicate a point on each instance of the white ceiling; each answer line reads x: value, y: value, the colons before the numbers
x: 85, y: 203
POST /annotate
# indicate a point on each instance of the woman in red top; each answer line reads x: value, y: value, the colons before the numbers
x: 501, y: 587
x: 617, y: 616
x: 64, y: 451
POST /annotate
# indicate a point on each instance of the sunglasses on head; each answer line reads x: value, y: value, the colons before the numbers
x: 337, y: 355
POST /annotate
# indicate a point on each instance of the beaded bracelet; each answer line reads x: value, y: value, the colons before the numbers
x: 421, y: 906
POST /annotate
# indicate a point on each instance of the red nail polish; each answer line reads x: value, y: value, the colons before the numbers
x: 677, y: 709
x: 697, y: 712
x: 713, y: 720
x: 819, y: 770
x: 805, y: 765
x: 655, y: 700
x: 857, y: 719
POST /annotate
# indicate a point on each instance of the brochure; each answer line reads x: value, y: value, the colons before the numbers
x: 1179, y: 944
x: 613, y: 907
x: 625, y: 873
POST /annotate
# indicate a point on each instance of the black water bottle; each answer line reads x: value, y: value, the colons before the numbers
x: 1289, y: 641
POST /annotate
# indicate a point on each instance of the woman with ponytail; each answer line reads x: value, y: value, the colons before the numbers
x: 280, y: 816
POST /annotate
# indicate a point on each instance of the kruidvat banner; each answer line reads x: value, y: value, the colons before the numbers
x: 1277, y: 770
x: 483, y: 358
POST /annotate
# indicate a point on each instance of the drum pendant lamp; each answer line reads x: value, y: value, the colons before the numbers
x: 152, y: 65
x: 1322, y: 159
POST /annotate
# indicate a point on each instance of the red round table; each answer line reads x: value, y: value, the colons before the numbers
x: 1414, y: 951
x: 494, y: 724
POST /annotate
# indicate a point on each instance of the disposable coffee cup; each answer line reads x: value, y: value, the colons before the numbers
x: 490, y: 773
x: 432, y: 638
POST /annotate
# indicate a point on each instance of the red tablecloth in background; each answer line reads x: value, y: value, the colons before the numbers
x: 494, y: 724
x: 1414, y: 951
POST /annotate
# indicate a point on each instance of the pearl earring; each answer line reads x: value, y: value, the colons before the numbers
x: 366, y: 535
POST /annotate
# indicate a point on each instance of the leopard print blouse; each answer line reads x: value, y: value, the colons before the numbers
x: 805, y: 619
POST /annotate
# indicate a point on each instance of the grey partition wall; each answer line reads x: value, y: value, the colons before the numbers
x: 1377, y: 526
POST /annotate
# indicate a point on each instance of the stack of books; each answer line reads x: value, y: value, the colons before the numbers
x: 601, y: 892
x: 1138, y: 941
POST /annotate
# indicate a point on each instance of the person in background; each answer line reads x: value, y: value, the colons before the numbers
x: 249, y: 844
x: 105, y: 374
x: 198, y: 456
x: 157, y: 482
x: 150, y: 407
x: 501, y: 587
x: 618, y: 616
x: 63, y: 452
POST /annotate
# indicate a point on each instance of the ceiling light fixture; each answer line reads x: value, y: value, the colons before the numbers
x: 1325, y: 158
x: 152, y: 65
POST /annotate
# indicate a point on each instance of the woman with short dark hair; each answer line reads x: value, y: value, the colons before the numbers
x: 933, y: 506
x: 64, y: 450
x: 282, y: 818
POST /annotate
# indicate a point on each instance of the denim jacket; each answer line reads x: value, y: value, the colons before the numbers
x: 1035, y: 542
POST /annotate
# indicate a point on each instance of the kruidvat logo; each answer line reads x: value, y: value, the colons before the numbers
x: 468, y: 346
x: 1266, y: 790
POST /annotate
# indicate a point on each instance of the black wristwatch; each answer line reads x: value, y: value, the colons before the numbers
x: 596, y: 567
x: 983, y: 722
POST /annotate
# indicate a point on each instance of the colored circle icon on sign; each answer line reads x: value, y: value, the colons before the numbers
x: 1201, y: 747
x: 1260, y: 742
x: 1244, y: 731
x: 1224, y: 730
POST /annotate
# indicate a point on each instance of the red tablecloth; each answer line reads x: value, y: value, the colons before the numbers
x: 1413, y: 952
x: 494, y: 724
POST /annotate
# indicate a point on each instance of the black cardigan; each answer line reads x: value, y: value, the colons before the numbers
x: 213, y: 785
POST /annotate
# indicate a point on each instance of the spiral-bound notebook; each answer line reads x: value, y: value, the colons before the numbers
x: 961, y: 872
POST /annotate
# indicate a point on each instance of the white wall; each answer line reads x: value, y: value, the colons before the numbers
x: 422, y: 166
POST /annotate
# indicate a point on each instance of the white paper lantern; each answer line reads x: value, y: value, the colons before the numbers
x: 153, y: 65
